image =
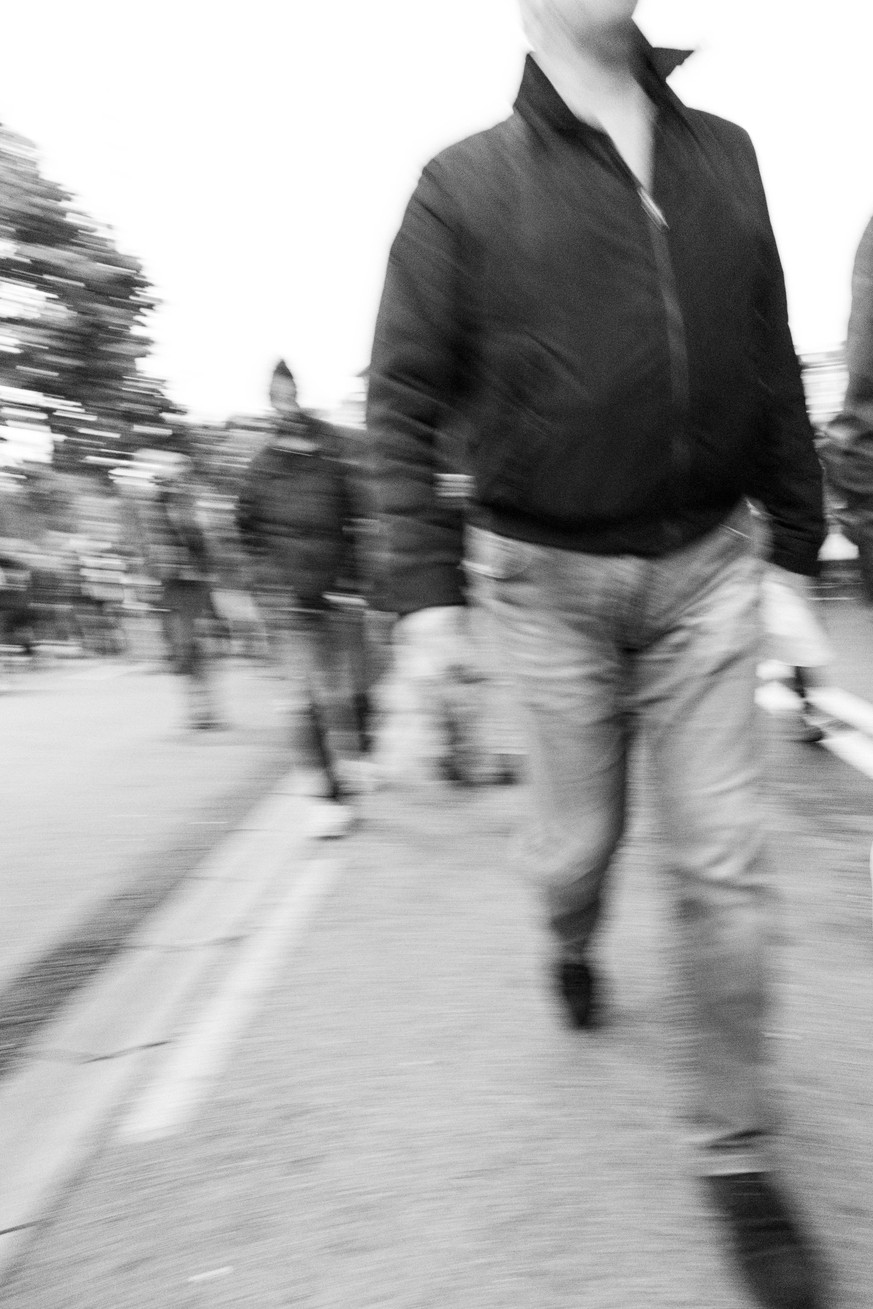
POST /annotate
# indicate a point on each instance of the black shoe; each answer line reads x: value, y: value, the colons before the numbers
x: 576, y: 988
x: 772, y: 1251
x: 810, y: 729
x: 812, y: 732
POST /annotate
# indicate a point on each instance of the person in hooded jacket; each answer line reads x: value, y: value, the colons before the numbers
x: 302, y: 516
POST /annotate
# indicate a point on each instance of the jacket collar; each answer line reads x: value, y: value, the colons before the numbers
x: 537, y: 99
x: 297, y: 435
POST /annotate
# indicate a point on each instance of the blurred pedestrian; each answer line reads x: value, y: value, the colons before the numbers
x: 847, y: 447
x: 594, y: 285
x: 301, y: 513
x: 100, y: 574
x: 168, y: 536
x: 17, y: 619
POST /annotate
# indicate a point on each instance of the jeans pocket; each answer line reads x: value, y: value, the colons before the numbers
x: 498, y: 558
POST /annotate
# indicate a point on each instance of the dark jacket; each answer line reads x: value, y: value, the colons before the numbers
x: 301, y: 512
x: 624, y: 369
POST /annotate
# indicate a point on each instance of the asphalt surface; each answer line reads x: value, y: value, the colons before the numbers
x: 406, y: 1122
x: 108, y: 802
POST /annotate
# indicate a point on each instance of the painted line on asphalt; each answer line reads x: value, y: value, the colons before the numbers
x: 54, y: 1109
x: 850, y: 709
x: 854, y: 748
x: 52, y: 1121
x: 212, y: 1275
x: 175, y: 1093
x: 852, y: 745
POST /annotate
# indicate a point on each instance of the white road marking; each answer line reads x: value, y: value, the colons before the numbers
x: 173, y: 1096
x: 854, y: 746
x: 100, y: 1050
x: 211, y: 1276
x: 848, y: 708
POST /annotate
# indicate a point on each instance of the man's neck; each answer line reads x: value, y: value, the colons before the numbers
x: 590, y: 76
x: 602, y: 88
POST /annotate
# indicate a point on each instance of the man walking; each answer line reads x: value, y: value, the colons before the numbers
x: 593, y: 290
x: 164, y: 524
x: 301, y: 513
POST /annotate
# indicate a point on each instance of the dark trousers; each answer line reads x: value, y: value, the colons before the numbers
x: 186, y: 608
x: 327, y: 649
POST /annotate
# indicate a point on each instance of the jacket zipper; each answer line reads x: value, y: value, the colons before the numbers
x: 675, y: 324
x: 676, y: 340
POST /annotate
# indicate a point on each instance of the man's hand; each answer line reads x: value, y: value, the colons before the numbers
x: 795, y: 635
x: 799, y: 583
x: 434, y: 643
x: 436, y: 659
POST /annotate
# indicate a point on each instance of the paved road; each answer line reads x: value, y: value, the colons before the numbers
x: 405, y: 1123
x: 106, y: 801
x: 397, y: 1116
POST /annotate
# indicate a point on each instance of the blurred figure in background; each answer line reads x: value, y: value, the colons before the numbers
x: 847, y: 446
x: 301, y: 515
x: 15, y: 616
x: 17, y: 621
x: 169, y: 538
x: 594, y: 286
x: 100, y: 572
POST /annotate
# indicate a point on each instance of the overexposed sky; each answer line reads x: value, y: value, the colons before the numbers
x: 257, y: 156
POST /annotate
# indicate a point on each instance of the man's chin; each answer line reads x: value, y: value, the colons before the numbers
x: 615, y: 41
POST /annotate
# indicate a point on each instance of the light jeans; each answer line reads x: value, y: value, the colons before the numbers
x: 602, y: 648
x: 325, y: 652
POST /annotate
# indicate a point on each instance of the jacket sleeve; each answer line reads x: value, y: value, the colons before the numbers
x: 351, y: 453
x: 788, y: 475
x: 859, y: 344
x: 415, y: 380
x: 847, y: 448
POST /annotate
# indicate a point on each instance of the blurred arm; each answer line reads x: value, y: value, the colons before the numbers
x: 415, y: 380
x: 789, y: 476
x: 847, y: 449
x: 859, y: 345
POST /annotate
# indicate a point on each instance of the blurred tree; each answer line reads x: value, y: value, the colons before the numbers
x: 72, y: 315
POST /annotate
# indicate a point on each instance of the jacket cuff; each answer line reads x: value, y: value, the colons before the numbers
x: 426, y: 588
x: 796, y: 557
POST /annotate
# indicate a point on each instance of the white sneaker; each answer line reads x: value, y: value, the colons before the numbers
x: 331, y: 819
